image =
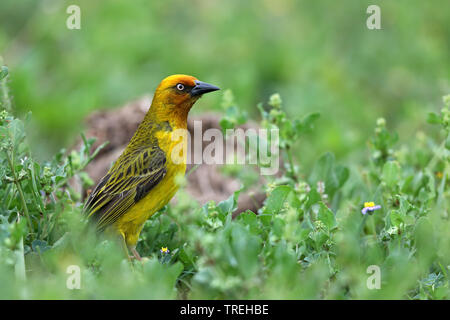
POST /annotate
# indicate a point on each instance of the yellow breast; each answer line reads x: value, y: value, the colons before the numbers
x: 174, y: 145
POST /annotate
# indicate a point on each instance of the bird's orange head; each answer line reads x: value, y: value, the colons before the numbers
x: 175, y: 96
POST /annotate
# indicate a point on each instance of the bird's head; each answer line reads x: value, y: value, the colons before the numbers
x: 176, y: 94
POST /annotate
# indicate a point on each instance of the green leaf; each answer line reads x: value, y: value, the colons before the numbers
x: 226, y: 124
x: 323, y: 168
x: 434, y: 118
x: 16, y: 132
x: 307, y: 123
x: 342, y: 174
x: 250, y: 220
x: 275, y: 201
x: 391, y: 173
x: 396, y: 218
x: 39, y: 246
x: 3, y: 72
x: 334, y: 176
x: 424, y: 237
x: 245, y: 248
x: 409, y: 220
x: 326, y: 216
x: 278, y: 227
x: 230, y: 205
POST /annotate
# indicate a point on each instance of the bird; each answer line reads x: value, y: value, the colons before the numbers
x: 143, y: 179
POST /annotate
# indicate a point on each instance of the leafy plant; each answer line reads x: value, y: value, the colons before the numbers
x: 310, y: 239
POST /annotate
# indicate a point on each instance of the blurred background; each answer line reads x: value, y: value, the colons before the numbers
x: 319, y: 55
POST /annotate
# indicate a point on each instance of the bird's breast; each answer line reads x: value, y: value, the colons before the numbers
x: 174, y: 145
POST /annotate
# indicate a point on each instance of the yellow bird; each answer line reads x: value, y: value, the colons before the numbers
x: 143, y: 179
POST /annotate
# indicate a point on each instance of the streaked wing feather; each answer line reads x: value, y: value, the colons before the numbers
x: 125, y: 184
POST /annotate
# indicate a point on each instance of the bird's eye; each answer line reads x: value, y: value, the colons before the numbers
x: 180, y: 87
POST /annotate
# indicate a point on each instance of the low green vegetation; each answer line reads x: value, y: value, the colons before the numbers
x: 310, y: 240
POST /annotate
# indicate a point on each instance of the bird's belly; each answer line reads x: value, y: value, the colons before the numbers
x: 131, y: 223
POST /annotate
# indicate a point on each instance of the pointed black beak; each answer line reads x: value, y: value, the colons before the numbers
x: 202, y: 88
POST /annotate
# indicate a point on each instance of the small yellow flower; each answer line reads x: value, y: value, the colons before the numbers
x: 164, y: 250
x: 369, y: 204
x: 439, y: 175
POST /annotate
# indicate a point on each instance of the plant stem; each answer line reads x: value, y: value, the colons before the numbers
x: 19, y: 267
x: 5, y: 101
x: 19, y: 188
x: 374, y: 228
x: 291, y: 163
x: 192, y: 170
x: 363, y: 222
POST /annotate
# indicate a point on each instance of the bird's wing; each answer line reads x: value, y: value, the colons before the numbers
x: 125, y: 184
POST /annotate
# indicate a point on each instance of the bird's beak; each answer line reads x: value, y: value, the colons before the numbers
x: 202, y: 88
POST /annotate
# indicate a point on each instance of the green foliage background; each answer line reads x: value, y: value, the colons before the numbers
x: 307, y: 241
x: 318, y: 55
